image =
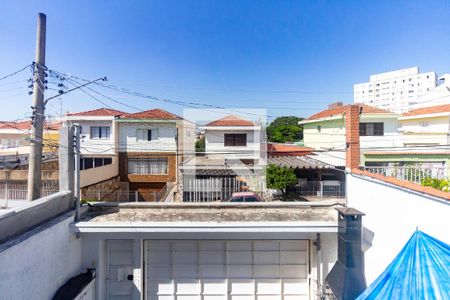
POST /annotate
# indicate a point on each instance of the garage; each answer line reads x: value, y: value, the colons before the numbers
x: 232, y: 269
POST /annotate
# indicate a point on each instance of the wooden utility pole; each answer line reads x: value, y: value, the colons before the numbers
x: 35, y: 158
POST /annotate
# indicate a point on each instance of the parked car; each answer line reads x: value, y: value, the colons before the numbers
x: 244, y: 197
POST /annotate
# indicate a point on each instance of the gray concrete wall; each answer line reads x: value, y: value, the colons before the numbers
x: 36, y: 213
x: 36, y: 264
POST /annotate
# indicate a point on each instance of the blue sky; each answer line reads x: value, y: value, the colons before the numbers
x: 293, y: 57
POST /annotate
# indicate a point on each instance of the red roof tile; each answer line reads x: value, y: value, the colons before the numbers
x: 405, y: 184
x: 331, y: 112
x: 100, y: 112
x: 287, y: 150
x: 407, y: 153
x: 428, y: 110
x: 231, y: 120
x: 26, y: 125
x: 154, y: 114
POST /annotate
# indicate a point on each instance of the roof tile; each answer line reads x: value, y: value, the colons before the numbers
x: 405, y: 184
x: 154, y: 114
x: 331, y: 112
x: 231, y: 120
x: 428, y: 110
x: 100, y: 112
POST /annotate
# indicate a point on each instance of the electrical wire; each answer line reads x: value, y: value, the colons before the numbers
x: 14, y: 73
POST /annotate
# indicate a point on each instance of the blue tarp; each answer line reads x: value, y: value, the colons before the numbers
x: 420, y: 271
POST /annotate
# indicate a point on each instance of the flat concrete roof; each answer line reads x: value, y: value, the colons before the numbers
x: 217, y: 212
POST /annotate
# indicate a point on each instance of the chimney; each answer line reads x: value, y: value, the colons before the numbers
x: 346, y: 279
x: 352, y: 152
x: 335, y: 104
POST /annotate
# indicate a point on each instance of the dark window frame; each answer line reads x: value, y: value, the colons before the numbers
x: 235, y: 140
x: 378, y: 129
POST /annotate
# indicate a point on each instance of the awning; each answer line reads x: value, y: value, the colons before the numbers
x: 300, y: 162
x: 420, y: 271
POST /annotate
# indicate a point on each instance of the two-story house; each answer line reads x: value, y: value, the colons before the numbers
x: 98, y: 143
x: 325, y: 130
x: 151, y: 145
x: 427, y: 126
x: 425, y: 137
x: 234, y: 160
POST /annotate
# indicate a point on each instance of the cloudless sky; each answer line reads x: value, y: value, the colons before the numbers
x: 293, y: 57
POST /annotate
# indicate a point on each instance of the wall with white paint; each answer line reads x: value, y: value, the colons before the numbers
x: 392, y: 216
x: 35, y: 265
x: 215, y: 142
x: 163, y: 140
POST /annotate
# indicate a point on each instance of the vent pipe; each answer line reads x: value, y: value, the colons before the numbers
x: 346, y: 279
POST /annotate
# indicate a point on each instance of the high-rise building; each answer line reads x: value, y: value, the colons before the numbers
x: 397, y: 91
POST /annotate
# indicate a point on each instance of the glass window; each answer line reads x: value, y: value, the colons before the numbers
x: 147, y: 165
x: 235, y: 139
x: 100, y: 132
x: 371, y: 129
x: 146, y: 134
x: 107, y: 161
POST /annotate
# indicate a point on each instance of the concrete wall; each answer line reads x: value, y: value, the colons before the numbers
x: 392, y: 216
x: 95, y: 175
x: 427, y: 130
x: 186, y: 140
x: 332, y: 133
x: 34, y: 265
x: 330, y: 136
x: 96, y: 146
x: 215, y: 139
x: 165, y: 141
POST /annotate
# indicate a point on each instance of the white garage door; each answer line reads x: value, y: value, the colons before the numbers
x: 219, y: 270
x: 120, y: 267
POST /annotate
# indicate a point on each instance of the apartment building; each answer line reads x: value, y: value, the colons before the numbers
x: 151, y: 145
x: 397, y: 91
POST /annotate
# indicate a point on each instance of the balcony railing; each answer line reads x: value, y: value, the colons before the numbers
x: 413, y: 174
x: 325, y: 188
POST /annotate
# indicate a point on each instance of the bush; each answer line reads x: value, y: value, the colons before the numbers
x: 440, y: 184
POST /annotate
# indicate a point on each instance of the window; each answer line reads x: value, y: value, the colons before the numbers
x: 100, y: 132
x: 94, y: 162
x: 425, y: 124
x: 371, y: 129
x: 146, y: 134
x: 319, y: 128
x: 147, y: 165
x: 235, y: 139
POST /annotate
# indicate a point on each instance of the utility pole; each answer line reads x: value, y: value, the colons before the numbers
x: 76, y: 151
x: 35, y: 158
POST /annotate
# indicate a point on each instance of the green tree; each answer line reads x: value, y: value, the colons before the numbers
x: 200, y: 145
x: 285, y: 129
x: 280, y: 178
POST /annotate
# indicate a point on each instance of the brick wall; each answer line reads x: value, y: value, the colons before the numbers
x: 352, y: 155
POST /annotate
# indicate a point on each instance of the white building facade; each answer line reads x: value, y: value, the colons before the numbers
x: 397, y: 91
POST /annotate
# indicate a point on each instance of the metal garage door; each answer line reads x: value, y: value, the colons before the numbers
x: 119, y: 284
x: 235, y: 270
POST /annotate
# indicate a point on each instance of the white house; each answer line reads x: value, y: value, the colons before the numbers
x: 98, y: 143
x: 325, y: 130
x: 233, y: 137
x: 427, y: 126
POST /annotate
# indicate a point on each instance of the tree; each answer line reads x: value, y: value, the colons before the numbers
x: 280, y: 178
x: 285, y: 129
x: 200, y: 145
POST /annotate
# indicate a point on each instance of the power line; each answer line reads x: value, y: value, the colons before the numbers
x: 14, y: 73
